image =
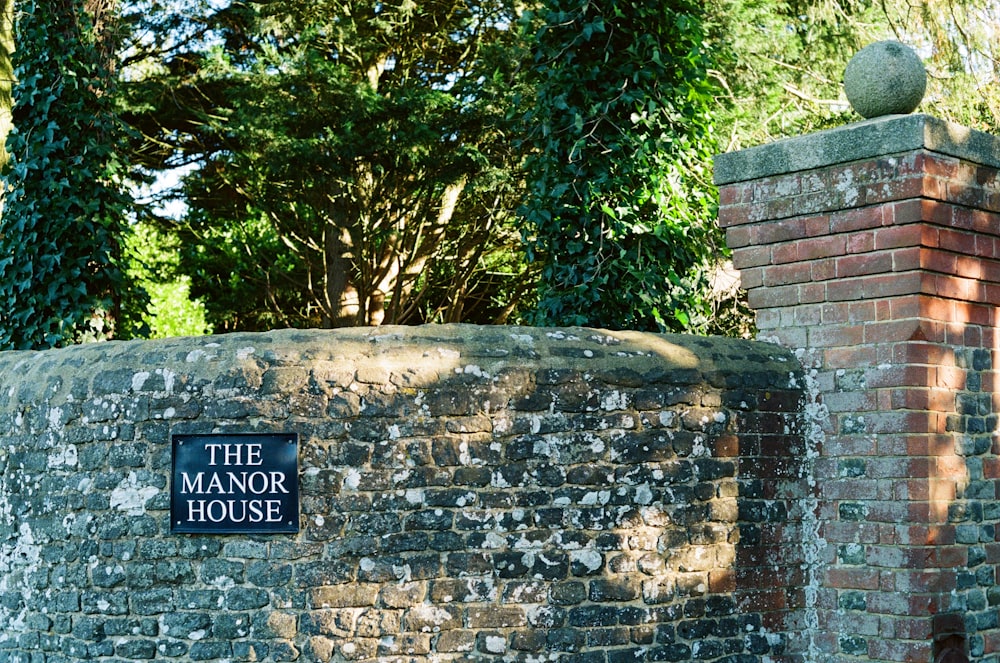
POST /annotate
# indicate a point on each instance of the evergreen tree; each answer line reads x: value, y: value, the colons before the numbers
x: 352, y: 163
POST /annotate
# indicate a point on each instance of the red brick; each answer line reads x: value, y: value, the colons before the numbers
x: 956, y: 288
x: 823, y: 246
x: 933, y: 187
x: 991, y: 641
x: 905, y: 212
x: 835, y: 312
x: 761, y: 600
x: 721, y: 581
x: 773, y: 297
x: 850, y: 578
x: 782, y: 230
x: 990, y: 268
x: 751, y: 256
x: 906, y: 259
x: 906, y: 306
x: 733, y: 215
x: 896, y: 189
x: 730, y: 194
x: 984, y: 222
x: 861, y: 242
x: 816, y: 225
x: 950, y: 377
x: 951, y: 467
x: 824, y: 269
x: 932, y: 443
x: 864, y: 264
x: 936, y: 308
x: 738, y: 236
x: 974, y: 314
x: 939, y: 165
x: 893, y: 237
x: 806, y: 315
x: 902, y: 422
x: 888, y: 467
x: 906, y: 628
x: 904, y: 651
x: 864, y: 311
x: 853, y: 220
x: 925, y: 535
x: 916, y: 352
x: 924, y: 398
x: 957, y: 241
x: 752, y: 277
x: 871, y: 287
x: 937, y: 213
x: 968, y: 335
x: 889, y: 331
x: 855, y: 355
x: 991, y: 467
x: 925, y: 580
x: 966, y: 194
x: 783, y: 254
x: 812, y: 293
x: 970, y: 267
x: 833, y: 336
x: 900, y: 376
x: 775, y: 275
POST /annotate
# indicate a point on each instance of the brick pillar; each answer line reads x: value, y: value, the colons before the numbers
x: 875, y: 250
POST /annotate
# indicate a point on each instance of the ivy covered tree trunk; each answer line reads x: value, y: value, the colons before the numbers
x: 619, y: 208
x: 6, y: 74
x: 60, y: 279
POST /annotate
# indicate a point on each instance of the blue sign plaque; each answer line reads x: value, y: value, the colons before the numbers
x: 235, y: 483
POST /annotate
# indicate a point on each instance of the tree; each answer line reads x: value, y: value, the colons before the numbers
x: 6, y: 74
x: 352, y: 162
x: 619, y: 206
x: 781, y: 62
x: 60, y: 233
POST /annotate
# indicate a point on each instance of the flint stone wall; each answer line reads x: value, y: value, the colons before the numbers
x: 466, y: 494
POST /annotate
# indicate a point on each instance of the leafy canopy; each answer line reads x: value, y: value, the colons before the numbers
x: 351, y: 161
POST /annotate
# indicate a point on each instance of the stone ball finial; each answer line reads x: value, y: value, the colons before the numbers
x: 885, y: 78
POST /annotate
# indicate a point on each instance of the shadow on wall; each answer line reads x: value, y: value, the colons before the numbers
x: 507, y: 493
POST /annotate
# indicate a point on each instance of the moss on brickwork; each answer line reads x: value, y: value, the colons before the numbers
x: 466, y: 493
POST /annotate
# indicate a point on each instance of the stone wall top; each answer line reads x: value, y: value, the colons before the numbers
x: 408, y: 356
x: 870, y: 139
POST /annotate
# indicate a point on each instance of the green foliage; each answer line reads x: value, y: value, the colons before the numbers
x: 60, y: 277
x: 619, y: 205
x: 781, y: 62
x: 153, y: 260
x: 353, y: 166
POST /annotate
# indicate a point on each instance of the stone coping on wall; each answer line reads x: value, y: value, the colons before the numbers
x: 868, y: 139
x: 416, y: 355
